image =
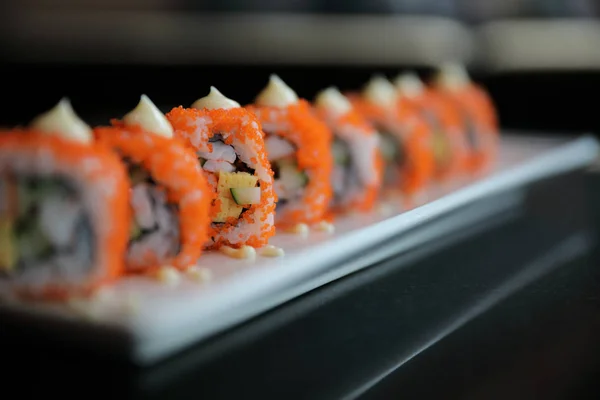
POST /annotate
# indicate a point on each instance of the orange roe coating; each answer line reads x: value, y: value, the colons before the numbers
x: 240, y: 129
x: 475, y: 106
x: 446, y: 120
x: 411, y: 130
x: 175, y: 168
x: 298, y: 124
x: 479, y: 101
x: 352, y: 126
x: 104, y: 178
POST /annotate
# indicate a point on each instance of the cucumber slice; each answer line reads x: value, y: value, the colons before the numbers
x: 304, y: 177
x: 286, y: 162
x: 388, y: 146
x: 246, y: 195
x: 34, y: 245
x: 340, y: 153
x: 291, y: 177
x: 26, y: 200
x: 134, y: 231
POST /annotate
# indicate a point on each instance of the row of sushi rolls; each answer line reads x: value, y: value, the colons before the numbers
x: 148, y: 193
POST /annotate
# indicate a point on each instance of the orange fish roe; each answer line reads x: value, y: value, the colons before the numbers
x: 478, y: 114
x: 175, y: 168
x: 298, y: 124
x: 243, y: 132
x: 412, y: 131
x: 352, y: 127
x: 482, y: 100
x: 445, y: 120
x: 102, y: 182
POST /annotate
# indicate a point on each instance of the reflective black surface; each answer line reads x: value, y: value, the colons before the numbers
x: 507, y: 309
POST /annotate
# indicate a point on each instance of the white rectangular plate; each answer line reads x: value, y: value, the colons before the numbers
x: 160, y: 319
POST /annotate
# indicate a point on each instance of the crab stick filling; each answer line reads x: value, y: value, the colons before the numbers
x: 155, y: 223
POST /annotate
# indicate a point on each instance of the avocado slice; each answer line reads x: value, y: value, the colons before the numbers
x: 227, y: 181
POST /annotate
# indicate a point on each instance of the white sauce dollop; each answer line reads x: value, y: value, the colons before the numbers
x: 325, y: 226
x: 452, y: 76
x: 380, y: 91
x: 409, y: 84
x: 272, y: 251
x: 276, y: 94
x: 215, y: 100
x: 331, y: 99
x: 147, y: 116
x: 199, y: 274
x: 168, y: 275
x: 244, y: 252
x: 62, y: 121
x: 301, y: 229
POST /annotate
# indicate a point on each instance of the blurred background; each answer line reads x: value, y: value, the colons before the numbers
x: 540, y: 59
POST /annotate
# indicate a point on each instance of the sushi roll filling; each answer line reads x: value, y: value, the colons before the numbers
x: 289, y: 179
x: 44, y: 229
x: 440, y: 145
x: 440, y: 148
x: 155, y: 222
x: 222, y: 157
x: 471, y: 133
x: 392, y: 153
x: 234, y: 182
x: 345, y: 176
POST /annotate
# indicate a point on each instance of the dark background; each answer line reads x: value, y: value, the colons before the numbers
x: 551, y: 101
x: 104, y: 54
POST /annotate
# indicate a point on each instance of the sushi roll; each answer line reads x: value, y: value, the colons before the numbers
x: 298, y: 147
x: 404, y: 137
x: 449, y: 144
x: 357, y: 172
x: 169, y: 195
x: 477, y: 113
x: 227, y: 141
x: 63, y: 209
